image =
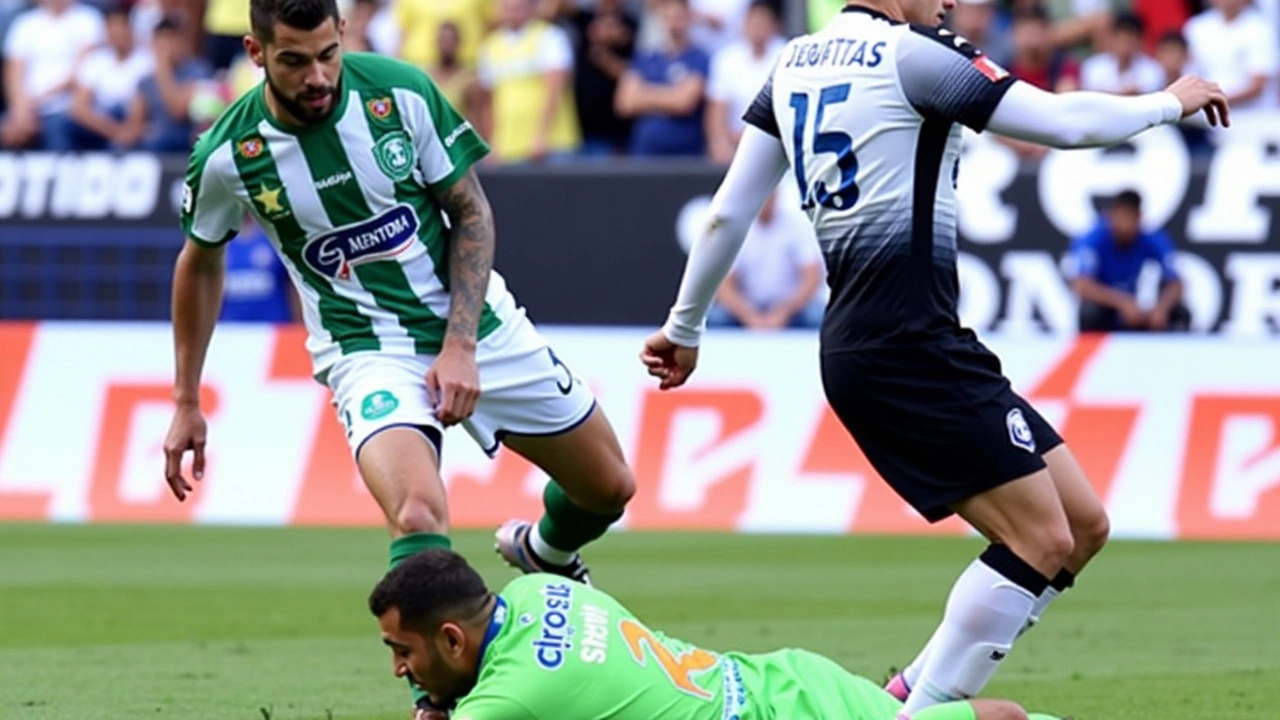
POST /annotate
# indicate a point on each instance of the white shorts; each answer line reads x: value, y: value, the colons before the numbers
x: 524, y: 390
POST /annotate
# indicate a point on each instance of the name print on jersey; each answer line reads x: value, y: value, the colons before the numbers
x: 333, y: 254
x: 553, y: 642
x: 836, y: 52
x: 595, y: 635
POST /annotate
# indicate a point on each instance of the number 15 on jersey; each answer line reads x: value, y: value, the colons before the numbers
x: 833, y: 142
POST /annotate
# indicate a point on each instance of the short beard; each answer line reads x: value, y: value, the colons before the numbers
x: 297, y: 110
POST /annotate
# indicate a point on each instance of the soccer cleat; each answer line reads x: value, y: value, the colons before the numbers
x: 512, y: 543
x: 897, y: 687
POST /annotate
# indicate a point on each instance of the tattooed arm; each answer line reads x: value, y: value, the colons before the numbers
x: 471, y: 243
x: 453, y: 382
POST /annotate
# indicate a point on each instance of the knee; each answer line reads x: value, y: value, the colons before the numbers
x: 1044, y: 547
x: 1091, y: 533
x: 617, y: 491
x: 419, y: 515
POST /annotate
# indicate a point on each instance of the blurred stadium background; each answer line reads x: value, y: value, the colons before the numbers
x: 757, y: 523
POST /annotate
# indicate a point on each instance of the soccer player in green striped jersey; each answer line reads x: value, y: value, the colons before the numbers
x: 546, y: 649
x: 362, y: 176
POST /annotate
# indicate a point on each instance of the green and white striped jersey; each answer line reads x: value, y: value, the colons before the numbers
x: 349, y: 206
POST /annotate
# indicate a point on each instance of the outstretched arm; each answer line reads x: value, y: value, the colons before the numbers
x: 757, y: 166
x: 1079, y: 119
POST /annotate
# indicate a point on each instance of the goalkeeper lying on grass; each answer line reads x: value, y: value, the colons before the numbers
x: 547, y: 648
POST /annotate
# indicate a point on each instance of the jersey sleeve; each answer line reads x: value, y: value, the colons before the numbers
x: 1162, y: 250
x: 945, y: 75
x: 211, y: 213
x: 760, y: 112
x: 446, y: 143
x: 491, y: 707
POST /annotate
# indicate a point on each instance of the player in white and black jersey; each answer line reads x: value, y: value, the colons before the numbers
x: 866, y: 114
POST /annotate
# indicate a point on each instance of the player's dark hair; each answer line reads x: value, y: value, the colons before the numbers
x: 770, y: 6
x: 118, y: 10
x: 428, y: 588
x: 300, y: 14
x: 1127, y: 199
x: 168, y: 24
x: 1130, y: 23
x: 1173, y: 37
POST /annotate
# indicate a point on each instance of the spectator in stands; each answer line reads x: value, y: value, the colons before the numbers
x: 604, y: 44
x: 103, y: 102
x: 371, y: 27
x: 226, y: 22
x: 420, y: 22
x: 1174, y: 60
x: 165, y: 96
x: 1104, y: 266
x: 981, y: 23
x: 1035, y: 57
x: 1079, y: 27
x: 738, y: 71
x: 528, y: 102
x: 257, y: 286
x: 663, y: 91
x: 1235, y: 46
x: 775, y: 282
x: 715, y: 24
x: 1123, y: 69
x: 458, y: 82
x: 41, y: 52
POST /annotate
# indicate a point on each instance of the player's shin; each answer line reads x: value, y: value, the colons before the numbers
x: 987, y: 608
x: 565, y: 527
x: 1058, y: 585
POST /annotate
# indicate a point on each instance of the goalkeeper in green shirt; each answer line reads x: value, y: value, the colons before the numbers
x: 548, y: 648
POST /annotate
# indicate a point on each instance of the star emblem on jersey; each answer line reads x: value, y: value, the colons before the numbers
x: 1019, y: 431
x: 269, y: 200
x: 378, y: 404
x: 251, y: 148
x: 395, y: 155
x: 380, y: 108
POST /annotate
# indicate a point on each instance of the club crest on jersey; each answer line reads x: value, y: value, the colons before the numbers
x: 1019, y: 431
x: 251, y: 148
x: 387, y: 235
x: 988, y: 67
x: 395, y: 155
x: 380, y: 108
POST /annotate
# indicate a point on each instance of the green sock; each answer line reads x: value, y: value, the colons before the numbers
x: 959, y: 710
x: 566, y: 526
x: 405, y: 546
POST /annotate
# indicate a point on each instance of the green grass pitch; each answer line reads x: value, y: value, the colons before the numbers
x: 181, y: 623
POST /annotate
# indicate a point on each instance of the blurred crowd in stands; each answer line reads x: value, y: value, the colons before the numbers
x: 546, y: 80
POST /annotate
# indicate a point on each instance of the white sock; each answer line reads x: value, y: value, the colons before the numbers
x: 1042, y: 603
x: 984, y: 614
x: 545, y: 552
x: 911, y: 673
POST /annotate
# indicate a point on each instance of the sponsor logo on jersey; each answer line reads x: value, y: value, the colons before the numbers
x: 335, y: 253
x: 735, y: 693
x: 251, y: 148
x: 335, y: 179
x: 988, y: 67
x: 378, y: 404
x: 452, y: 137
x: 380, y: 108
x: 395, y: 155
x: 552, y: 644
x: 1019, y: 431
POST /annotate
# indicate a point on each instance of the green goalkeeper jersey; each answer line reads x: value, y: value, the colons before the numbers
x: 559, y: 650
x: 350, y: 206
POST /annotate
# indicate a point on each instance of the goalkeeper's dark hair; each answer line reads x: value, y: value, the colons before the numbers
x: 299, y: 14
x: 431, y: 587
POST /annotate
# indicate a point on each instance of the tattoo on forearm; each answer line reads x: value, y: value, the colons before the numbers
x: 471, y: 244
